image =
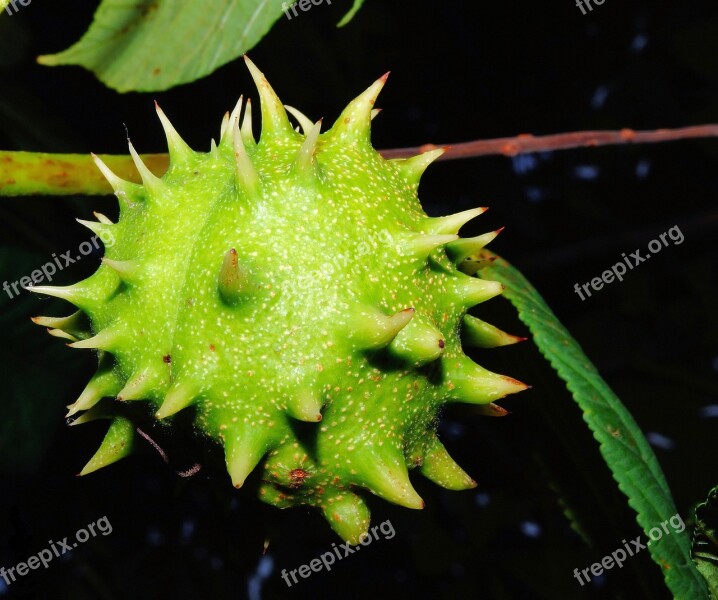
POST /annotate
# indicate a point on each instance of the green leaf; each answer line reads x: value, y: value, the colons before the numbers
x: 350, y: 15
x: 153, y: 45
x: 705, y: 540
x: 622, y: 445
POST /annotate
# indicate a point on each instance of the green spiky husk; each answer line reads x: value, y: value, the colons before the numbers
x: 292, y: 279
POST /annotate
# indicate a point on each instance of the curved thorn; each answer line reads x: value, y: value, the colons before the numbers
x: 213, y: 150
x: 439, y: 467
x: 233, y: 282
x: 95, y: 413
x: 235, y: 114
x: 117, y: 444
x: 305, y: 406
x: 304, y: 121
x: 223, y: 128
x: 102, y: 218
x: 178, y: 148
x: 104, y: 383
x: 451, y: 223
x: 420, y: 342
x: 121, y: 187
x: 375, y: 112
x: 71, y: 293
x: 178, y: 398
x: 480, y: 334
x: 76, y: 324
x: 463, y: 248
x: 99, y: 229
x: 244, y: 446
x: 127, y: 270
x: 471, y: 290
x: 59, y: 333
x: 387, y: 477
x: 413, y: 168
x: 246, y: 129
x: 355, y: 121
x: 421, y: 246
x: 372, y: 329
x: 305, y: 157
x: 104, y: 340
x: 274, y: 117
x: 140, y: 385
x: 149, y: 179
x: 468, y: 382
x: 246, y: 175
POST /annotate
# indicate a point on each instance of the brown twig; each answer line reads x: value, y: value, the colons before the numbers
x: 193, y: 470
x: 27, y: 173
x: 527, y: 143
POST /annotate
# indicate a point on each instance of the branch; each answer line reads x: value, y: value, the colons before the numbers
x: 38, y: 173
x: 527, y: 143
x: 31, y: 173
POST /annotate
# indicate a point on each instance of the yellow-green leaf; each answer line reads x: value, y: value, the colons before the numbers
x: 350, y: 15
x: 622, y: 444
x: 153, y: 45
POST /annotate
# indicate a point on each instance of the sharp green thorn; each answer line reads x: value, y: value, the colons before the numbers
x: 118, y: 443
x: 149, y: 179
x: 468, y: 382
x: 233, y: 280
x: 274, y: 118
x: 440, y: 468
x: 178, y: 148
x: 304, y: 121
x: 181, y: 396
x: 452, y: 223
x: 462, y: 249
x: 305, y: 162
x: 480, y: 334
x: 372, y: 329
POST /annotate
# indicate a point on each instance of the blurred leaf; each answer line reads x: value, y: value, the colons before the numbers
x: 153, y: 45
x: 705, y: 540
x: 352, y: 12
x: 623, y: 446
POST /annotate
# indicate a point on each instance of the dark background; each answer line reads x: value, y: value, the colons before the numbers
x: 460, y: 71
